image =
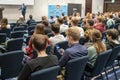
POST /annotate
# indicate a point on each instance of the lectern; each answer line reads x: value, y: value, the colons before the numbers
x: 1, y: 14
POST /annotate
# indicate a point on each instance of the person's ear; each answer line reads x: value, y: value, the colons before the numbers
x: 33, y: 46
x: 70, y: 37
x: 47, y: 42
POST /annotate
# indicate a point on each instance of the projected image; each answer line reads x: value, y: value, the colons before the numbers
x: 57, y: 10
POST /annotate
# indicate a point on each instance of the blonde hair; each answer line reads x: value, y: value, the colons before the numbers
x: 74, y: 33
x: 74, y: 21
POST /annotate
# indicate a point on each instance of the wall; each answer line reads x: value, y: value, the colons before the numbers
x: 41, y: 8
x: 97, y: 6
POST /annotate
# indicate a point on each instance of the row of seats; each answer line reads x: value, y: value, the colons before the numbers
x: 11, y: 64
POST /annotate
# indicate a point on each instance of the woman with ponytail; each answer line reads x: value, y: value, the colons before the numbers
x: 97, y: 47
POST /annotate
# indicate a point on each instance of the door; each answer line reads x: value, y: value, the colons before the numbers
x: 74, y: 8
x: 88, y: 6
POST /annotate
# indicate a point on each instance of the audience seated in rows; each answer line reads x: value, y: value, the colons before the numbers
x: 39, y: 43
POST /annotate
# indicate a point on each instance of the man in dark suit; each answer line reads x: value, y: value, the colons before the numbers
x: 23, y: 10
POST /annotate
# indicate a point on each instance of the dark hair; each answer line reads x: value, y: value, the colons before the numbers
x: 63, y: 14
x: 30, y: 16
x: 119, y: 15
x: 90, y: 22
x: 39, y: 29
x: 55, y: 28
x: 110, y: 16
x: 60, y: 20
x: 51, y: 17
x: 46, y: 23
x: 4, y: 20
x: 40, y: 42
x: 113, y: 33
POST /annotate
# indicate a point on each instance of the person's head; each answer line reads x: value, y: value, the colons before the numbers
x: 39, y: 42
x: 89, y: 23
x: 55, y: 28
x: 63, y: 14
x: 4, y: 23
x: 44, y: 18
x: 58, y: 6
x: 74, y: 21
x: 96, y: 35
x: 78, y: 14
x: 110, y: 16
x: 112, y: 34
x: 21, y: 17
x: 96, y: 38
x: 4, y: 20
x: 60, y: 21
x: 51, y: 17
x: 23, y: 4
x: 46, y: 23
x: 39, y: 29
x: 57, y: 17
x: 30, y: 16
x: 73, y: 35
x: 99, y: 20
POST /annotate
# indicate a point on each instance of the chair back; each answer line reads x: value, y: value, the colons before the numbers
x: 75, y: 68
x: 48, y: 49
x: 31, y: 28
x: 81, y: 40
x: 11, y: 64
x: 58, y: 46
x: 24, y: 25
x: 50, y: 35
x: 20, y: 28
x: 31, y: 32
x: 113, y: 56
x: 116, y: 26
x: 2, y: 37
x: 46, y: 74
x: 14, y: 44
x: 7, y: 31
x: 27, y: 40
x: 101, y: 62
x: 17, y: 34
x: 63, y: 33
